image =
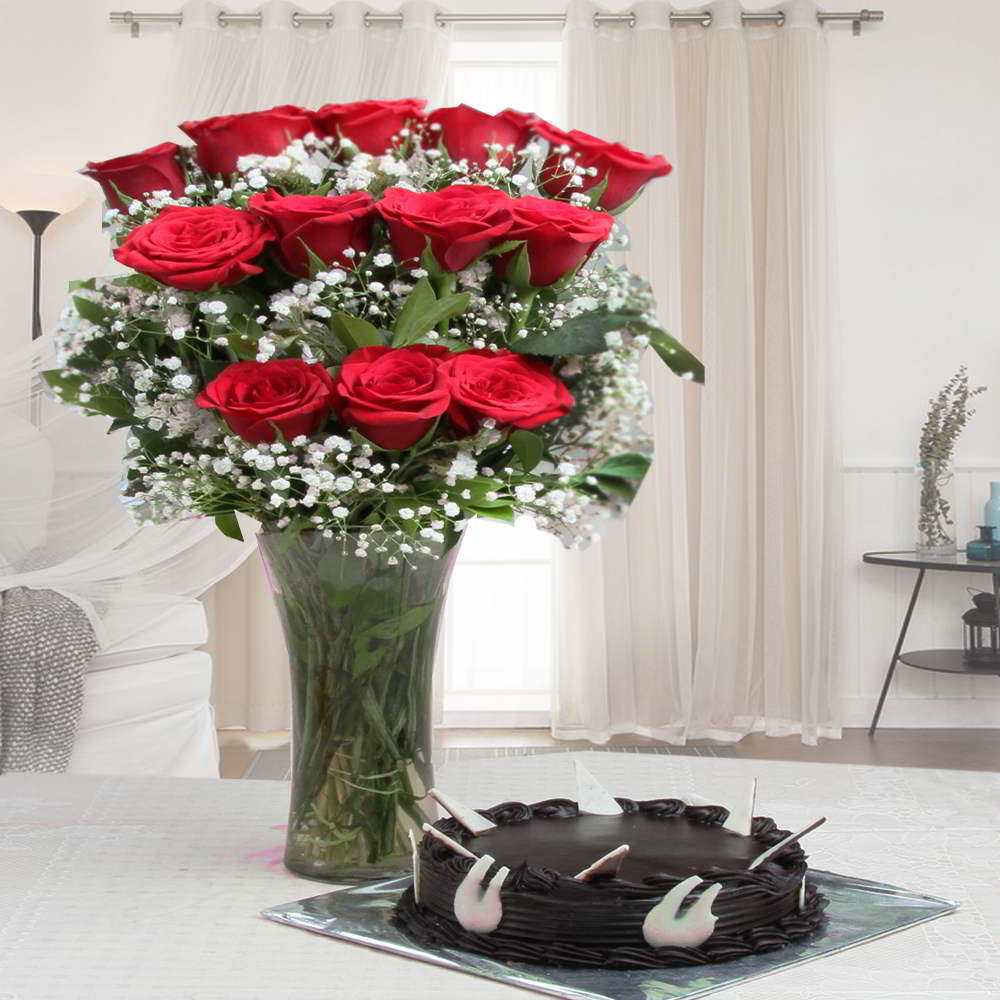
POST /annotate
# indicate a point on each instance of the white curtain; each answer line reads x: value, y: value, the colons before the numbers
x: 222, y: 70
x: 710, y: 612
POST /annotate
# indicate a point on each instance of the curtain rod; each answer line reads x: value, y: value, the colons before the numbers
x: 704, y: 18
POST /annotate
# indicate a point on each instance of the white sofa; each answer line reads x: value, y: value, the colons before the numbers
x: 146, y: 707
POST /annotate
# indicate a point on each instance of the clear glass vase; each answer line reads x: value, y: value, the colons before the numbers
x: 361, y: 632
x: 935, y: 488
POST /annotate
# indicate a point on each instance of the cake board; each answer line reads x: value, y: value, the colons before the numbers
x: 858, y: 911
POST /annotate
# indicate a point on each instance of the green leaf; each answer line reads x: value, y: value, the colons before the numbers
x: 141, y: 281
x: 501, y: 511
x: 595, y: 193
x: 111, y: 406
x: 582, y: 334
x: 519, y: 275
x: 119, y: 423
x: 630, y: 465
x: 340, y: 597
x: 616, y: 485
x: 229, y: 525
x: 406, y: 622
x: 437, y: 312
x: 528, y: 447
x: 504, y: 247
x: 354, y: 332
x: 211, y: 369
x: 316, y: 263
x: 91, y: 311
x: 419, y: 301
x: 367, y: 656
x: 79, y: 284
x: 676, y: 356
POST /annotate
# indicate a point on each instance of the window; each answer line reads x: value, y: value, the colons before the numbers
x: 497, y: 635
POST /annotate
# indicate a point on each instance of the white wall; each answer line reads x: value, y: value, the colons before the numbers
x: 915, y: 143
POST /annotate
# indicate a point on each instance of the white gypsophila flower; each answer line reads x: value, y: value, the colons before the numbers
x: 343, y: 483
x: 463, y: 466
x: 181, y: 381
x: 452, y: 509
x: 222, y: 465
x: 406, y: 513
x: 382, y: 260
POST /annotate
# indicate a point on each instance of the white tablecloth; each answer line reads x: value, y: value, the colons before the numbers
x: 149, y: 889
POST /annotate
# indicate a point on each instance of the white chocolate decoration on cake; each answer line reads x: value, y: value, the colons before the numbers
x: 447, y: 841
x: 608, y: 865
x: 740, y: 817
x: 480, y: 911
x: 460, y: 812
x: 591, y: 797
x: 790, y: 839
x: 663, y: 928
x: 415, y: 850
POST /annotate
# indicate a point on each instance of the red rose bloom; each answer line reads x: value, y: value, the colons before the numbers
x: 559, y: 237
x: 327, y: 226
x: 462, y: 222
x: 392, y: 395
x: 221, y: 141
x: 510, y: 388
x: 370, y: 125
x: 466, y: 132
x: 626, y: 170
x: 195, y: 248
x: 153, y: 169
x: 259, y: 398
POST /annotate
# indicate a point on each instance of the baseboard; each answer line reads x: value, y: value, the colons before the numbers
x: 923, y: 713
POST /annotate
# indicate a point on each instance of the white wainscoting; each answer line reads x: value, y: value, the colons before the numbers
x: 879, y: 514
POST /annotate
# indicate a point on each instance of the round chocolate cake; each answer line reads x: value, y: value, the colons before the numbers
x: 670, y: 886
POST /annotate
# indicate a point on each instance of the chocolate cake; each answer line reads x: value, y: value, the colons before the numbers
x: 606, y: 882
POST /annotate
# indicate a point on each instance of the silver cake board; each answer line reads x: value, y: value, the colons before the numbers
x: 858, y: 911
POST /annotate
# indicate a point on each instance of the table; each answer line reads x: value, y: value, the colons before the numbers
x: 949, y: 661
x: 149, y: 889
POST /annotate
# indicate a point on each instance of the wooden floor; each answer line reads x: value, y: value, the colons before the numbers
x: 959, y: 749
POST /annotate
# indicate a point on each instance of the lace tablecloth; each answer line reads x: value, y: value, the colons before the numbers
x: 149, y: 889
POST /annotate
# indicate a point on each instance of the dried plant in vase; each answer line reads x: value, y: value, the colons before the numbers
x: 948, y: 414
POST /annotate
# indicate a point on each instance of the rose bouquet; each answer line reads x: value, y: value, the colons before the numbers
x: 363, y: 326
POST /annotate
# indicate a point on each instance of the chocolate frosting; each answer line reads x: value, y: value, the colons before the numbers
x: 550, y: 917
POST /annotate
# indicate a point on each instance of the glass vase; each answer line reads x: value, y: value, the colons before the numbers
x: 935, y: 486
x: 361, y: 631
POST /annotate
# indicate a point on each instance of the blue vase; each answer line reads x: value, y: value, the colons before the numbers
x: 991, y: 513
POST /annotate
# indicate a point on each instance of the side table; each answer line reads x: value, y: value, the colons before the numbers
x: 949, y: 661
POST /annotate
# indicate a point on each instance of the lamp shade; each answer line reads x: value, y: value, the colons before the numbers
x: 23, y: 191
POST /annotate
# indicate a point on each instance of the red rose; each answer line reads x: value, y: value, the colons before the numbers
x: 370, y: 125
x: 462, y: 222
x: 328, y: 226
x: 195, y: 248
x: 153, y: 169
x: 467, y: 131
x: 259, y: 398
x: 626, y: 170
x: 392, y: 395
x: 223, y: 140
x: 559, y: 237
x: 509, y: 388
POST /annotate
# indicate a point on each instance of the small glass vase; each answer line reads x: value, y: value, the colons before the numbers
x: 935, y: 488
x: 361, y: 632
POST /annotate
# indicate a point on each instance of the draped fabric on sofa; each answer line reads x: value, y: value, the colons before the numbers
x: 79, y: 578
x: 223, y: 70
x: 709, y: 613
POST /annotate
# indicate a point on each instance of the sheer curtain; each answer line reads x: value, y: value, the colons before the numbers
x: 709, y: 613
x: 240, y: 67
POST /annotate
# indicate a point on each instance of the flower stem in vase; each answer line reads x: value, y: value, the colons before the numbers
x: 361, y: 632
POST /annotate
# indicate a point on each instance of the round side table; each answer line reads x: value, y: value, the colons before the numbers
x: 948, y: 661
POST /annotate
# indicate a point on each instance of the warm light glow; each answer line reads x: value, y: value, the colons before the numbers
x: 20, y: 191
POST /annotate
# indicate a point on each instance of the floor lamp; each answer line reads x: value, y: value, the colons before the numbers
x: 39, y: 199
